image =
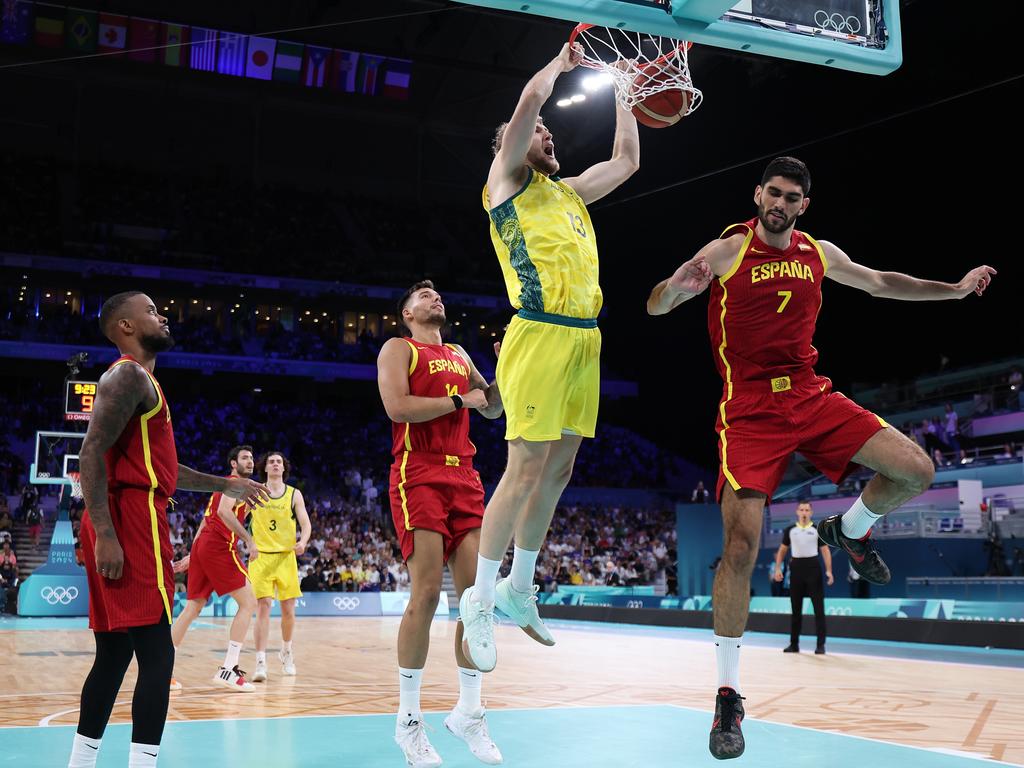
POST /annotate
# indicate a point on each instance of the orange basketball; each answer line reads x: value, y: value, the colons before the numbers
x: 664, y: 108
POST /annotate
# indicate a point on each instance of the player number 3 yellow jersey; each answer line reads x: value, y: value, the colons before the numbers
x: 273, y: 524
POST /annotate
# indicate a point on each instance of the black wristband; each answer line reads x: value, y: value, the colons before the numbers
x: 457, y: 399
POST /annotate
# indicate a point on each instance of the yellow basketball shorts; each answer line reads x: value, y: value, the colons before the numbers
x: 549, y: 375
x: 275, y: 574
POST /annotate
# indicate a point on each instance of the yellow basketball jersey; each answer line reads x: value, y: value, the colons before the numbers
x: 547, y: 249
x: 273, y: 524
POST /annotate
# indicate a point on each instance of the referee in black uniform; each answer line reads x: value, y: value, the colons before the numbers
x: 804, y: 574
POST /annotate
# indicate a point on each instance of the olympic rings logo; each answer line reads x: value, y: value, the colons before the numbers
x: 836, y: 22
x: 346, y: 603
x: 62, y: 595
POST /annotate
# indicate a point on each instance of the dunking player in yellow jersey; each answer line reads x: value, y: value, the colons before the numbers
x: 549, y: 368
x: 275, y: 573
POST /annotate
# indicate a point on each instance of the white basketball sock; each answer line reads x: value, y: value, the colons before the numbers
x: 470, y: 681
x: 286, y: 646
x: 486, y: 576
x: 858, y: 519
x: 727, y: 649
x: 409, y: 694
x: 524, y: 564
x: 231, y: 657
x: 84, y: 752
x: 143, y: 755
x: 261, y: 657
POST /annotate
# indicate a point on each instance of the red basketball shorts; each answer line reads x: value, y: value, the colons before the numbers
x: 765, y: 422
x: 429, y: 495
x: 214, y: 566
x: 143, y: 594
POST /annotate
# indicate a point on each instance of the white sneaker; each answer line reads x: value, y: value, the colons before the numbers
x: 521, y: 607
x: 412, y: 738
x: 477, y: 632
x: 175, y: 685
x: 288, y: 662
x: 260, y: 675
x: 472, y: 729
x: 233, y: 679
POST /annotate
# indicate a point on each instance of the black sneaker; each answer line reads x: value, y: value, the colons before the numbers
x: 820, y: 650
x: 864, y: 558
x: 791, y: 649
x: 726, y: 741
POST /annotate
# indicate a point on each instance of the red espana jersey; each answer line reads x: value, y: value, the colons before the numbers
x: 144, y: 456
x: 762, y: 312
x: 214, y: 525
x: 436, y: 371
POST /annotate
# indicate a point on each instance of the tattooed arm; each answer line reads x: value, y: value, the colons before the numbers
x: 241, y: 488
x: 121, y: 391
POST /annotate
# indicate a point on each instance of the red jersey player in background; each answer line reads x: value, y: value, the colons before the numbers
x: 765, y: 280
x: 130, y: 468
x: 437, y: 502
x: 213, y: 565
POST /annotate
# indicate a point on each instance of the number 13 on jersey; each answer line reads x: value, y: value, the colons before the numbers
x: 576, y: 223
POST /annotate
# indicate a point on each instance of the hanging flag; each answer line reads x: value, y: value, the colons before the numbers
x: 231, y: 54
x: 260, y: 58
x: 16, y: 22
x: 344, y: 66
x: 113, y: 33
x: 203, y: 49
x: 143, y: 35
x: 50, y: 25
x: 174, y: 39
x: 397, y: 74
x: 368, y: 79
x: 314, y: 66
x: 288, y: 62
x: 80, y: 30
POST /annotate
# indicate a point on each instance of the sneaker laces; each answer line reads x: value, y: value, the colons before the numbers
x: 420, y: 743
x: 239, y: 672
x: 476, y: 725
x: 728, y: 709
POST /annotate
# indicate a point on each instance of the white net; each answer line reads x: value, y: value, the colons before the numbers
x: 75, y: 481
x: 639, y: 64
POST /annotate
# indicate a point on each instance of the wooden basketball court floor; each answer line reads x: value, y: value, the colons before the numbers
x: 605, y: 695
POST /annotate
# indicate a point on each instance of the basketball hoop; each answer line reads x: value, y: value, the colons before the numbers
x: 639, y: 64
x: 75, y: 481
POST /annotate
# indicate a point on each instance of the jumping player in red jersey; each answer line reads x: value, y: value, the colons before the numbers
x: 437, y: 501
x: 765, y: 280
x: 129, y: 469
x: 213, y: 565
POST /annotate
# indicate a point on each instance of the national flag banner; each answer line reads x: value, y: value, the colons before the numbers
x: 231, y: 55
x: 16, y: 22
x: 143, y: 39
x: 344, y: 66
x: 174, y: 41
x: 203, y: 49
x: 397, y: 75
x: 368, y: 78
x: 314, y: 66
x: 113, y: 33
x: 50, y: 25
x: 260, y: 58
x: 288, y: 62
x: 80, y: 30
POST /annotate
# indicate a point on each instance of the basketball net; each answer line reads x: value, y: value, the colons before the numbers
x: 76, y: 484
x: 639, y: 64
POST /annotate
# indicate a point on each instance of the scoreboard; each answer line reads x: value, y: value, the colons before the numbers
x: 79, y: 399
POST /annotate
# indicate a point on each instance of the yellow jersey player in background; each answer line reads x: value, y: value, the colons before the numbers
x: 275, y: 573
x: 549, y: 367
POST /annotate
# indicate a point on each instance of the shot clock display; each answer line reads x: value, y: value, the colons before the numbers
x: 78, y: 403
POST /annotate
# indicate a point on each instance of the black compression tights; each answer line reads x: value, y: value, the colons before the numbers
x: 153, y: 648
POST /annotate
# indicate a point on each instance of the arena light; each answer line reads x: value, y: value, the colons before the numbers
x: 237, y: 306
x: 578, y: 97
x: 172, y: 301
x: 564, y: 102
x: 361, y: 317
x: 482, y: 327
x: 593, y: 83
x: 47, y: 295
x: 195, y: 301
x: 458, y: 323
x: 69, y: 293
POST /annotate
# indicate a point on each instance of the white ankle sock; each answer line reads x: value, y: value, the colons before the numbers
x: 261, y: 657
x: 286, y: 646
x: 470, y: 681
x: 727, y: 649
x: 231, y: 657
x: 858, y: 519
x: 84, y: 751
x: 486, y: 576
x: 143, y: 755
x: 524, y: 563
x: 409, y: 694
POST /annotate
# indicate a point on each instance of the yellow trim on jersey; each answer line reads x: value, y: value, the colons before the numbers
x: 415, y: 357
x: 408, y: 442
x: 401, y: 487
x: 821, y: 253
x: 153, y: 484
x: 728, y: 368
x: 234, y: 556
